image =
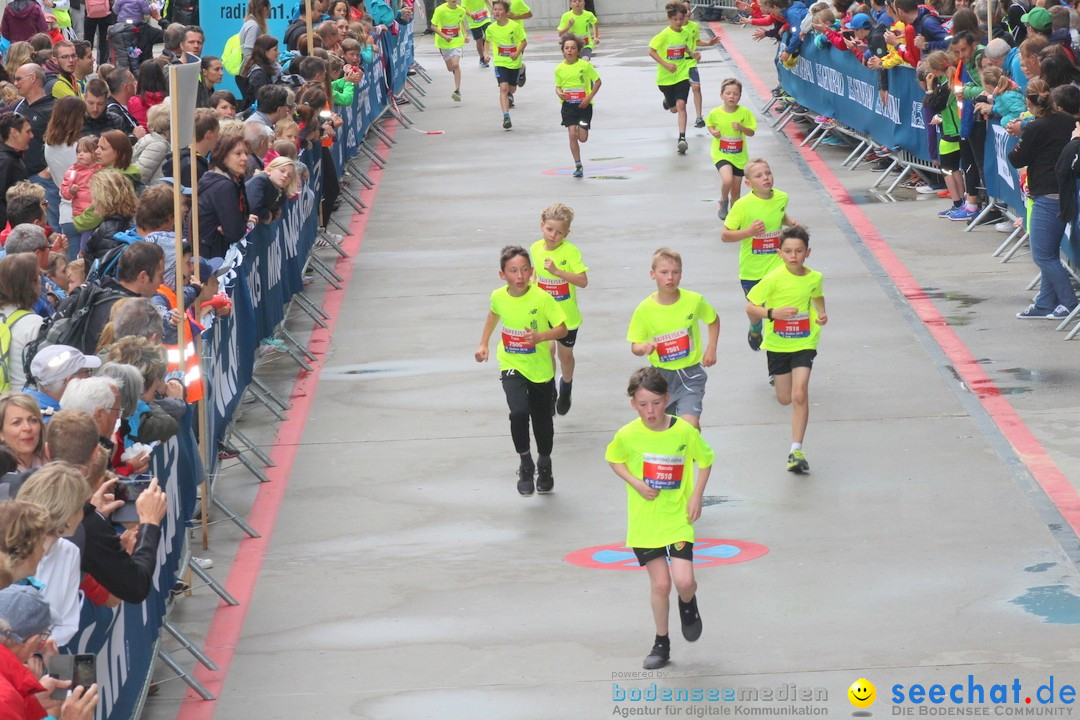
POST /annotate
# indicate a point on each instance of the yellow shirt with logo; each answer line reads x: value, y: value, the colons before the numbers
x: 693, y: 33
x: 478, y: 13
x: 505, y: 39
x: 535, y: 310
x: 674, y: 328
x: 780, y: 288
x: 758, y: 255
x: 664, y: 461
x: 568, y: 259
x: 576, y: 79
x: 583, y: 26
x: 672, y: 47
x: 449, y: 21
x: 731, y: 145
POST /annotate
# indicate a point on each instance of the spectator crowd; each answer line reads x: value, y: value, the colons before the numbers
x: 92, y: 377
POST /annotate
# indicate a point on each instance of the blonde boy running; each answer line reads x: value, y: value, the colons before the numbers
x: 559, y: 271
x: 665, y: 327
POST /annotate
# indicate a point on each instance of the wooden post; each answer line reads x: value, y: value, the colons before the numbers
x: 310, y: 30
x: 206, y: 448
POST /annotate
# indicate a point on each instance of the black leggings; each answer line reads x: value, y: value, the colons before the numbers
x: 529, y: 400
x: 331, y: 186
x: 101, y: 27
x: 971, y: 158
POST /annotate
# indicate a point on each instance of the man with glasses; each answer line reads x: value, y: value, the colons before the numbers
x: 60, y: 71
x: 36, y: 106
x: 52, y: 369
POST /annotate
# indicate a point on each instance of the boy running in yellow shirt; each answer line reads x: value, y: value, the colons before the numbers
x: 730, y: 125
x: 791, y: 299
x: 670, y: 51
x: 581, y: 23
x: 450, y: 36
x: 665, y: 327
x: 655, y: 456
x: 530, y: 320
x: 576, y: 84
x: 693, y: 39
x: 755, y: 222
x: 559, y: 271
x: 506, y: 43
x: 479, y: 14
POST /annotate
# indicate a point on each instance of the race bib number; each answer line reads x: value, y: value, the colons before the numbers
x: 662, y: 472
x: 673, y: 346
x: 507, y: 50
x: 452, y: 31
x: 767, y: 244
x: 479, y: 15
x: 517, y: 342
x: 731, y: 145
x: 796, y: 327
x: 555, y: 287
x: 574, y: 95
x: 676, y: 52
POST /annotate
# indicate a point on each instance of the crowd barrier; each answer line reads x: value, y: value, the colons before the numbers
x: 834, y: 84
x: 268, y: 273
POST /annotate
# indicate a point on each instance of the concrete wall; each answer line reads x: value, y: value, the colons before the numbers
x: 610, y: 12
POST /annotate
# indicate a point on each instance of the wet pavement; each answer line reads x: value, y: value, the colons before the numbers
x: 407, y: 579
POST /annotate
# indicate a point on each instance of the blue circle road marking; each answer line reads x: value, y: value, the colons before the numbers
x: 708, y: 552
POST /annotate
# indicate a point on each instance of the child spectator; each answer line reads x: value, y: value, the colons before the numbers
x: 559, y: 272
x: 655, y: 456
x: 941, y: 101
x: 791, y: 299
x: 661, y: 330
x: 528, y: 378
x: 1004, y: 99
x: 56, y: 270
x: 76, y: 274
x: 267, y: 191
x: 76, y: 184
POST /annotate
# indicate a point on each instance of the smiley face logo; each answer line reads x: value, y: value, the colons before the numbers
x: 862, y: 693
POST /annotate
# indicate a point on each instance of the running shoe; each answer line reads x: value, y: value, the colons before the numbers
x: 456, y: 97
x: 962, y: 214
x: 521, y: 76
x: 204, y: 563
x: 948, y: 212
x: 833, y: 140
x: 545, y: 481
x: 563, y: 404
x: 1005, y: 226
x: 796, y: 462
x: 882, y: 165
x: 690, y: 618
x: 927, y: 189
x: 658, y: 657
x: 578, y: 172
x: 506, y: 122
x: 681, y: 146
x: 525, y: 484
x: 700, y: 122
x: 484, y: 64
x: 913, y: 182
x: 722, y: 210
x: 754, y: 338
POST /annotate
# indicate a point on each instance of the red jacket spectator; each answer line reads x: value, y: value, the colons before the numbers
x: 18, y: 689
x: 138, y: 105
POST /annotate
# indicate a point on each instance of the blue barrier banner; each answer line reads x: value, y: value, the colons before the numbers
x: 398, y: 51
x: 124, y: 638
x: 1002, y: 179
x: 834, y: 84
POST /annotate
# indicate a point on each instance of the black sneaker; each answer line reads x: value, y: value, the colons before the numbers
x: 664, y: 104
x: 563, y: 404
x: 700, y: 122
x: 545, y: 481
x: 506, y: 122
x: 658, y: 657
x: 754, y: 338
x: 691, y: 619
x: 525, y: 481
x: 521, y: 76
x: 778, y: 91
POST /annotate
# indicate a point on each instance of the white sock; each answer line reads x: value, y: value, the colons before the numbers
x: 970, y: 207
x: 796, y: 446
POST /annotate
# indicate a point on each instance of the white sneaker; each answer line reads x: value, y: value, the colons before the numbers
x: 926, y: 189
x: 1005, y: 226
x: 204, y: 563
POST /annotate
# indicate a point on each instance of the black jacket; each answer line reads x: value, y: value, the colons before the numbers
x: 12, y: 170
x: 264, y: 198
x: 223, y: 213
x: 38, y: 114
x: 128, y: 577
x: 101, y: 239
x: 122, y: 118
x: 98, y: 125
x: 1041, y: 143
x: 202, y: 165
x: 292, y: 33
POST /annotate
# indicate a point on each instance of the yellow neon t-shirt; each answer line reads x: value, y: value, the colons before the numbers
x: 568, y: 259
x: 693, y: 33
x: 518, y: 7
x: 583, y: 26
x: 576, y: 80
x: 535, y: 310
x: 449, y: 21
x: 732, y: 143
x: 477, y: 12
x: 782, y: 289
x: 758, y: 255
x: 665, y: 461
x: 505, y: 39
x: 674, y: 328
x: 671, y: 46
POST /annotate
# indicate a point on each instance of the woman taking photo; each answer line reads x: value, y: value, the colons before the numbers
x: 61, y: 136
x: 1041, y: 143
x: 223, y: 207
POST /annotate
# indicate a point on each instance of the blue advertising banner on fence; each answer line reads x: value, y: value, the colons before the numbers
x: 1002, y: 179
x: 124, y: 638
x: 836, y: 85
